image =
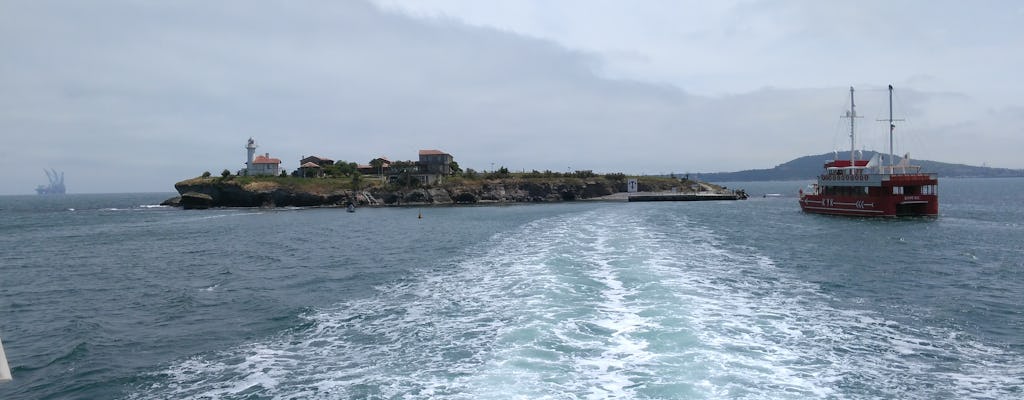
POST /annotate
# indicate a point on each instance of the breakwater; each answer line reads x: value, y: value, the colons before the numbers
x: 687, y: 196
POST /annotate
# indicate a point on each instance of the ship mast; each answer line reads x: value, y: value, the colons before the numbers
x: 892, y: 127
x: 851, y: 115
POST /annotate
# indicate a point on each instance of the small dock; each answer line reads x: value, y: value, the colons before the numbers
x: 685, y: 197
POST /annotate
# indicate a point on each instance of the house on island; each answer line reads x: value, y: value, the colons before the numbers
x: 310, y: 170
x: 380, y: 166
x: 265, y: 165
x: 262, y: 164
x: 433, y: 166
x: 320, y: 161
x: 313, y: 167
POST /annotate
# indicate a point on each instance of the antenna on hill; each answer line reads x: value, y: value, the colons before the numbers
x: 852, y: 114
x: 892, y: 127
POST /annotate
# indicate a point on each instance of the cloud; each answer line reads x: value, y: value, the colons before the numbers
x: 134, y: 96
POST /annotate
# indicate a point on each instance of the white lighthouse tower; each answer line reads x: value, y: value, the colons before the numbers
x: 251, y: 148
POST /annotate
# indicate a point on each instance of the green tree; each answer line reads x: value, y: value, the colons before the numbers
x: 405, y: 171
x: 347, y: 168
x: 407, y: 179
x: 225, y: 173
x: 331, y: 170
x: 455, y: 168
x: 357, y: 180
x: 206, y: 174
x: 378, y: 166
x: 340, y: 168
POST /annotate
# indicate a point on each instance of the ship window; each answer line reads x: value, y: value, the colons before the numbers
x: 897, y: 190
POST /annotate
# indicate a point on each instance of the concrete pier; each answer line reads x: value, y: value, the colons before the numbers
x: 683, y: 197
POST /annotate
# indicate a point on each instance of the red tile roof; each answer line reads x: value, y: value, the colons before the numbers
x: 265, y: 160
x: 433, y: 153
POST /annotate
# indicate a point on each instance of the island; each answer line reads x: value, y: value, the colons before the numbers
x: 435, y: 178
x: 497, y: 187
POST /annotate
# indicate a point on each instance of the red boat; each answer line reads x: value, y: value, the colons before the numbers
x: 867, y: 188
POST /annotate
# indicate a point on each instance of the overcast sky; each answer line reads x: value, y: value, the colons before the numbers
x: 133, y: 96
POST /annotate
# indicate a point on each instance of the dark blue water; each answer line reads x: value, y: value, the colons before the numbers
x: 107, y: 296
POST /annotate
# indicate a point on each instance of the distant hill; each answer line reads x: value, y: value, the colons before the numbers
x: 808, y: 167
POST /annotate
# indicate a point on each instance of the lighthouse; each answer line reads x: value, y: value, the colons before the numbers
x: 251, y: 149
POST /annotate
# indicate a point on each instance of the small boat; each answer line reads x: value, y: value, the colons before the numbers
x: 351, y: 208
x: 867, y: 188
x: 5, y: 370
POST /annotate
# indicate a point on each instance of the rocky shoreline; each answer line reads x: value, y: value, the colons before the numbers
x: 199, y: 193
x: 212, y: 192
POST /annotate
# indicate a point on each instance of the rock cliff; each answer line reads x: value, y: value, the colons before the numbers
x: 231, y: 193
x: 298, y: 192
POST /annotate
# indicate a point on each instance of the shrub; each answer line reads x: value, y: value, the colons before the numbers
x: 225, y: 173
x: 206, y: 174
x: 533, y: 174
x: 357, y: 180
x: 615, y: 176
x: 583, y: 174
x: 502, y: 173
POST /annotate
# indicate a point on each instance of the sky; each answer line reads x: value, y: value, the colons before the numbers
x: 135, y: 95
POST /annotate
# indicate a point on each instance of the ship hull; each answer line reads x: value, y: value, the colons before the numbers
x: 889, y: 206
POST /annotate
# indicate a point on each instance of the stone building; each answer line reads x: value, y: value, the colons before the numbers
x: 262, y: 164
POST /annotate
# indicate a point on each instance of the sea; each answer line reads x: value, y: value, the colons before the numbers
x: 110, y: 296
